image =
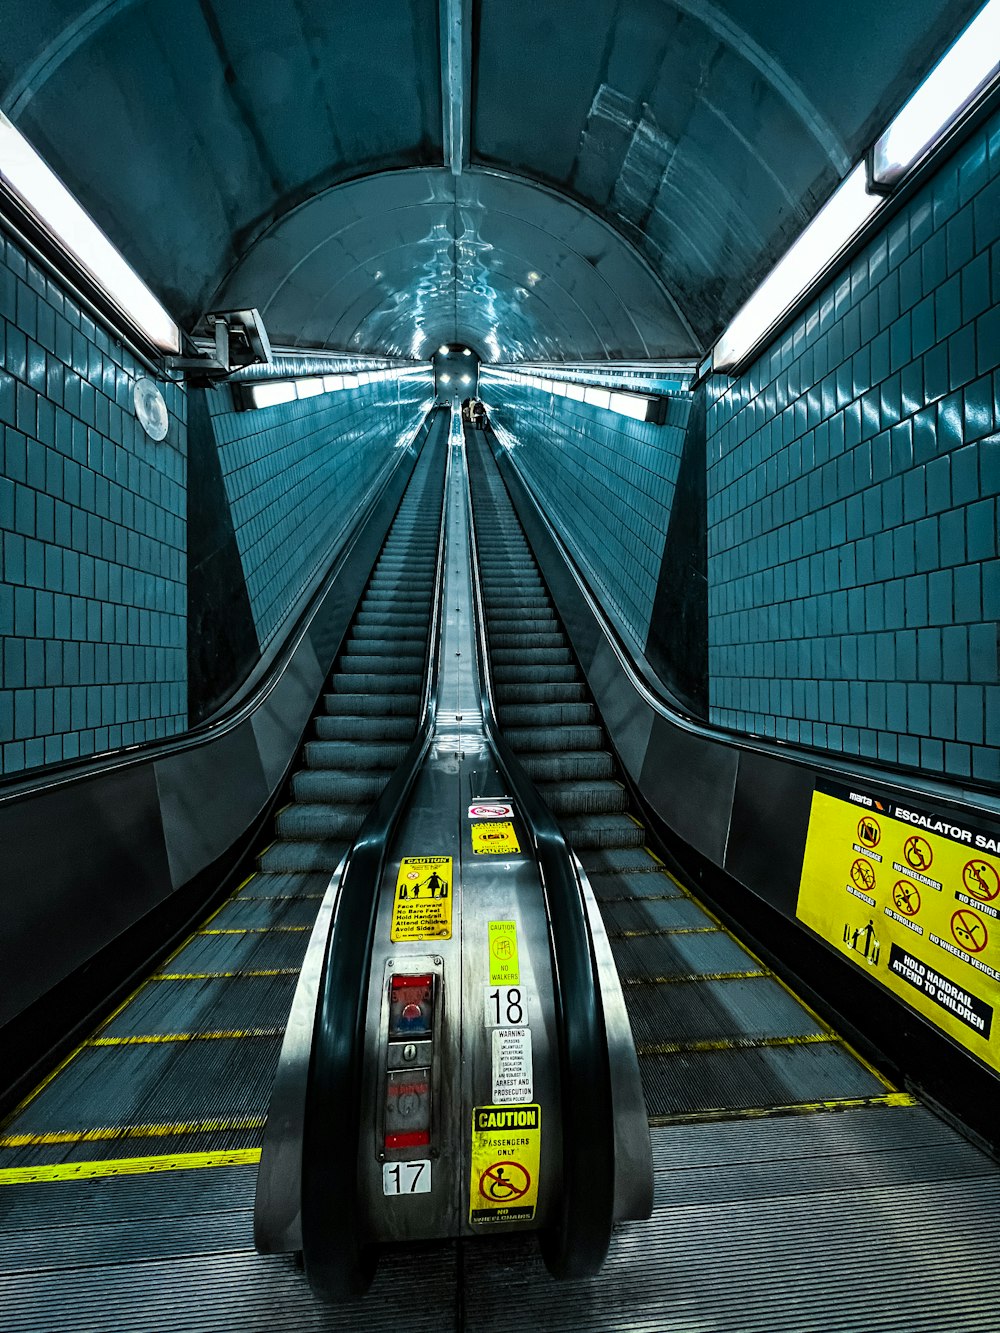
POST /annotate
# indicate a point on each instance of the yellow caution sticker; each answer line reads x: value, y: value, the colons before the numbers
x: 911, y: 896
x: 506, y: 1150
x: 505, y: 970
x: 494, y: 838
x: 421, y: 906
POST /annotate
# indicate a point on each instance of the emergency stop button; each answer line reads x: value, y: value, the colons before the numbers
x: 411, y: 1006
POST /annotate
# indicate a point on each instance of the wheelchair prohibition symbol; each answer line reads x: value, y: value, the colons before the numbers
x: 504, y: 1183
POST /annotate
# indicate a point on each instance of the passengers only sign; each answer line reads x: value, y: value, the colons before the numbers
x: 910, y: 895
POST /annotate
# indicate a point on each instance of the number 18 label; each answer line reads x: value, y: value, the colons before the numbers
x: 506, y: 1007
x: 406, y: 1177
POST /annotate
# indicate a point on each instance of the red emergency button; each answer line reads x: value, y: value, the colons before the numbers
x: 411, y: 1006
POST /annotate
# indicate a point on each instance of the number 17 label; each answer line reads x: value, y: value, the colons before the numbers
x: 406, y: 1177
x: 506, y: 1007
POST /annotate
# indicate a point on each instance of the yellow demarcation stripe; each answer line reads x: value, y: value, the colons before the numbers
x: 210, y: 976
x: 105, y: 1133
x: 127, y: 1166
x: 793, y: 1108
x: 143, y: 1039
x: 668, y: 930
x: 254, y: 930
x: 733, y: 1044
x: 687, y: 977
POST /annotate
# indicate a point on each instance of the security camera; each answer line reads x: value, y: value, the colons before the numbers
x: 240, y: 338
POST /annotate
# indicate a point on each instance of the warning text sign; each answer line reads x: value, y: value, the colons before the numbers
x: 421, y: 906
x: 494, y: 838
x: 912, y: 896
x: 506, y: 1150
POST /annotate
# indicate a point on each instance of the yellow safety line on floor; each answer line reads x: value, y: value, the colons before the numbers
x: 143, y: 1039
x: 210, y: 976
x: 792, y: 1108
x: 278, y: 897
x: 127, y: 1166
x: 255, y: 930
x: 668, y: 930
x: 688, y: 977
x: 733, y: 1044
x: 104, y: 1133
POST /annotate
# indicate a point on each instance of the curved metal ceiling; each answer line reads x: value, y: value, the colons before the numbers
x: 645, y: 160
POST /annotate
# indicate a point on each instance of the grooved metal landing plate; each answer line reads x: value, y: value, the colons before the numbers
x: 849, y: 1222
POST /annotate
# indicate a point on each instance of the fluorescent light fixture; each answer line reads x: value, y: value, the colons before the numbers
x: 309, y: 388
x: 951, y: 86
x: 576, y: 391
x: 466, y: 379
x: 270, y: 395
x: 51, y: 204
x: 630, y: 405
x: 332, y: 383
x: 351, y: 381
x: 445, y: 379
x: 840, y: 218
x: 597, y: 397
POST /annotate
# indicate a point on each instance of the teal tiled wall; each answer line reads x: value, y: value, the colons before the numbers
x: 607, y: 482
x: 294, y: 473
x: 92, y: 516
x: 853, y: 479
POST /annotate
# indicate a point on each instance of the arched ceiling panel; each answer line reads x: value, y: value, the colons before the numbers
x: 429, y: 244
x: 648, y: 159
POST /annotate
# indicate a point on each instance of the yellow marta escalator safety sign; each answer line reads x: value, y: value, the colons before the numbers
x: 494, y: 838
x: 506, y: 1151
x: 911, y: 896
x: 421, y: 906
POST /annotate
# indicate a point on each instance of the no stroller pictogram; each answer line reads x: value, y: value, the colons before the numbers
x: 906, y: 897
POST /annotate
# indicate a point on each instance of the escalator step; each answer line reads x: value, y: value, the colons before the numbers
x: 338, y: 786
x: 303, y: 857
x: 546, y: 716
x: 346, y: 704
x: 594, y: 798
x: 352, y: 728
x: 315, y: 821
x: 357, y: 682
x: 532, y: 692
x: 536, y: 739
x: 600, y: 830
x: 350, y: 754
x: 568, y: 765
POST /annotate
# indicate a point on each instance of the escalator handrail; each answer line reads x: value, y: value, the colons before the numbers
x: 338, y: 1263
x: 577, y: 1245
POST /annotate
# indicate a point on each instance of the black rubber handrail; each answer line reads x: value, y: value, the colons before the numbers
x: 339, y: 1262
x: 577, y: 1244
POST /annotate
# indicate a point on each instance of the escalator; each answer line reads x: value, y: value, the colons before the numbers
x: 795, y: 1188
